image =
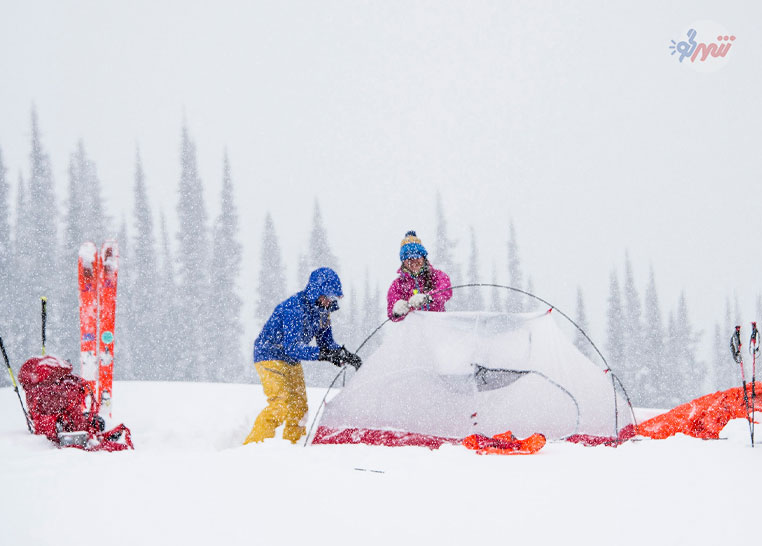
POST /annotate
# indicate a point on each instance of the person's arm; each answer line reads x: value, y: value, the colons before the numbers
x: 393, y: 296
x: 325, y: 339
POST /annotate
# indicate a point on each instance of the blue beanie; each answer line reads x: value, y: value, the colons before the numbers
x: 411, y: 247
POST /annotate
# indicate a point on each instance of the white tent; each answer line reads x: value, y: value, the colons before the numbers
x: 449, y: 375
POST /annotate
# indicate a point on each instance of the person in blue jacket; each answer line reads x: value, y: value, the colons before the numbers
x: 284, y: 343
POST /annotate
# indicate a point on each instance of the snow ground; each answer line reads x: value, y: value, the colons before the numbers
x: 191, y: 482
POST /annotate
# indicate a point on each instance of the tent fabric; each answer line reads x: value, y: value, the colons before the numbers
x: 704, y: 417
x: 451, y: 375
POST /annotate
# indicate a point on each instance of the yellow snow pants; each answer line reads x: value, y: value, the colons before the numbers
x: 283, y: 384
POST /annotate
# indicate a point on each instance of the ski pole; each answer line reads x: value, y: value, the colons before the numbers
x: 15, y: 386
x: 754, y: 348
x: 44, y: 301
x: 735, y: 349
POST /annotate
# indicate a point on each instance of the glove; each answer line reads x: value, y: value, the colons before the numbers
x: 419, y: 300
x: 339, y: 357
x: 401, y: 308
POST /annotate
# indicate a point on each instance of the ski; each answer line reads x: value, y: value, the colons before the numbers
x: 88, y: 319
x: 754, y: 350
x: 735, y: 350
x: 109, y: 262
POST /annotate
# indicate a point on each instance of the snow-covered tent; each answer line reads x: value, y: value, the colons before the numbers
x: 440, y: 377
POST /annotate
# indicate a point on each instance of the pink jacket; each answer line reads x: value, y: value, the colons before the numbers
x: 406, y: 285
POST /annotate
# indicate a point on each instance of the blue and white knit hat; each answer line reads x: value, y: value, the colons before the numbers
x: 411, y: 247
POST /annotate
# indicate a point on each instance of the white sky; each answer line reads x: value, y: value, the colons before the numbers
x: 570, y: 118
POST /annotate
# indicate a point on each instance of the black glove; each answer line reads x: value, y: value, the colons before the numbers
x: 339, y: 357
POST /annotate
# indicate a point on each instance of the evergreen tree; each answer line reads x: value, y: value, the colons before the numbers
x: 145, y: 331
x: 496, y: 298
x: 271, y: 289
x: 225, y: 306
x: 515, y: 301
x: 475, y: 299
x: 124, y: 347
x: 6, y: 261
x: 688, y: 369
x: 444, y: 257
x: 21, y: 340
x: 615, y: 329
x: 671, y: 396
x: 582, y: 343
x: 93, y: 220
x: 633, y: 369
x: 75, y: 221
x: 302, y: 272
x: 653, y: 386
x: 193, y: 261
x: 164, y: 365
x: 37, y: 243
x: 320, y: 255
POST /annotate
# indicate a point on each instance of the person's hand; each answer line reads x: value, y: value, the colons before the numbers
x: 339, y: 357
x: 401, y: 308
x: 419, y: 300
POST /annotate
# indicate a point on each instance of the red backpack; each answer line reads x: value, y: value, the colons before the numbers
x: 56, y: 400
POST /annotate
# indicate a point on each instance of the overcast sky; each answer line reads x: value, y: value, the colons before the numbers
x: 571, y: 118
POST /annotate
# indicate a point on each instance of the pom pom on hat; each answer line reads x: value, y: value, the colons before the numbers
x: 411, y: 247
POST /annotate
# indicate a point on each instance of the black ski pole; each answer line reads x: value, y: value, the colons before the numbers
x: 735, y: 349
x: 44, y: 320
x: 754, y: 348
x: 15, y: 386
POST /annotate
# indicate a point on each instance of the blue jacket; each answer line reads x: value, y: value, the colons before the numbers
x: 295, y: 322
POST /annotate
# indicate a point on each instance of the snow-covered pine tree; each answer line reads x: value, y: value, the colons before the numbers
x: 320, y: 255
x: 271, y: 286
x: 142, y: 319
x: 581, y: 319
x: 95, y: 224
x: 39, y: 241
x: 20, y: 341
x: 6, y: 260
x: 615, y: 329
x: 496, y: 293
x: 369, y: 319
x: 443, y: 257
x: 163, y: 366
x: 225, y: 306
x: 720, y: 350
x: 67, y: 307
x: 302, y: 272
x: 633, y: 366
x: 515, y: 301
x: 193, y: 322
x: 688, y: 369
x: 125, y: 364
x: 654, y: 392
x: 351, y: 307
x: 475, y: 295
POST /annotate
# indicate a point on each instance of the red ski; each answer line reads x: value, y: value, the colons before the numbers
x: 89, y: 273
x: 109, y: 262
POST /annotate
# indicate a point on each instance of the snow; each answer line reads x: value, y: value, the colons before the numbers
x: 191, y: 482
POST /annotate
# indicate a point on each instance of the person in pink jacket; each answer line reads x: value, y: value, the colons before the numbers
x: 419, y: 285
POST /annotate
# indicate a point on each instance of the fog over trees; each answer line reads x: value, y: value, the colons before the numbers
x: 180, y: 314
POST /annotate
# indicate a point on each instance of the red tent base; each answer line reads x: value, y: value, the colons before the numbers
x: 325, y: 435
